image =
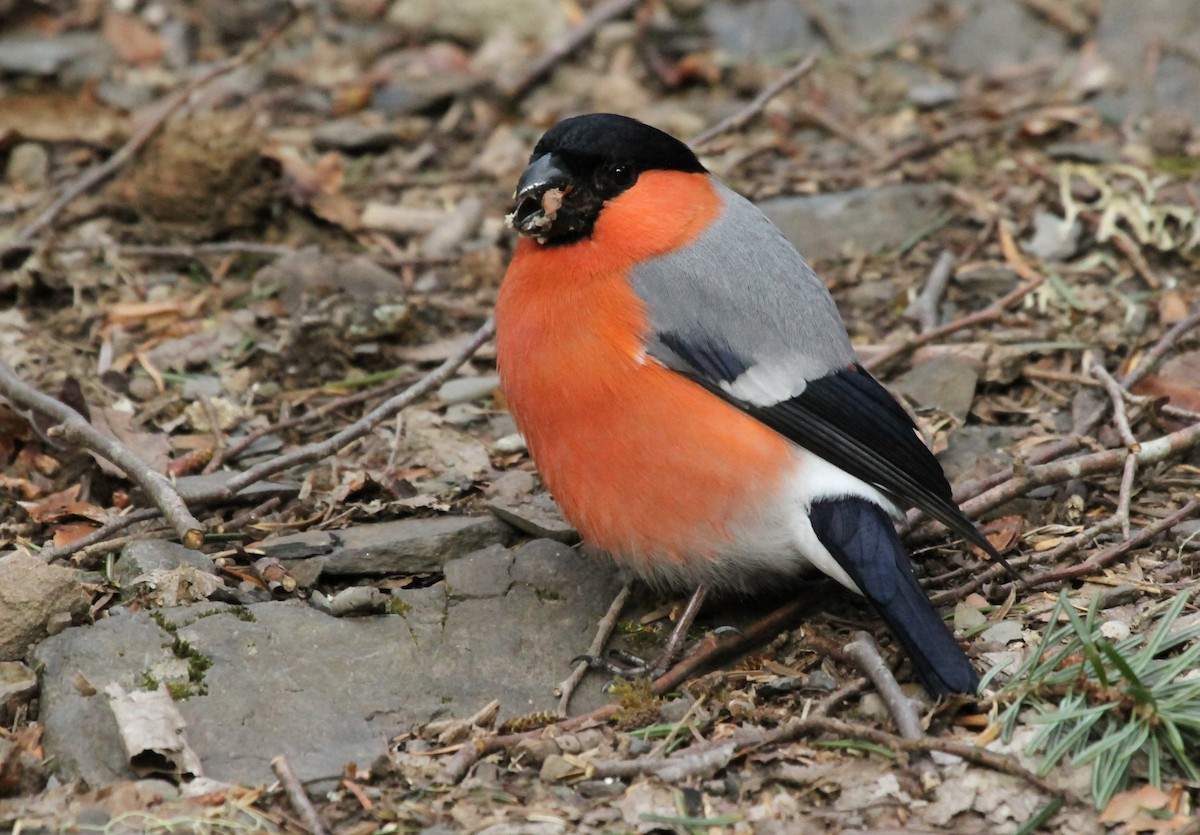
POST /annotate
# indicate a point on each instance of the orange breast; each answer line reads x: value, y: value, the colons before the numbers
x: 645, y: 463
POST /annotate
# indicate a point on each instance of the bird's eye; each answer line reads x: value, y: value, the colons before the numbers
x: 623, y: 175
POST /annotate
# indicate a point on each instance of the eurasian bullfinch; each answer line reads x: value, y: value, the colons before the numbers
x: 689, y: 394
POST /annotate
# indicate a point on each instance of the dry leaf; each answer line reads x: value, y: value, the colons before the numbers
x: 134, y: 41
x: 179, y: 586
x: 151, y: 731
x: 1145, y: 809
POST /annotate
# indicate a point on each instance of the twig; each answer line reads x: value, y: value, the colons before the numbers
x: 703, y: 760
x: 1156, y: 353
x: 297, y: 796
x: 1116, y: 396
x: 865, y: 655
x: 604, y: 630
x: 1109, y: 460
x: 192, y: 250
x: 112, y: 526
x: 742, y: 117
x: 233, y: 450
x: 101, y: 172
x: 252, y: 515
x: 981, y: 576
x: 705, y: 756
x: 847, y: 691
x: 564, y: 46
x: 925, y: 305
x: 382, y: 412
x: 800, y: 728
x: 757, y: 633
x: 980, y: 317
x: 1099, y: 560
x: 75, y: 430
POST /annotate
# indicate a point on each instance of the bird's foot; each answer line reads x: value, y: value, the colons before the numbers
x: 619, y: 662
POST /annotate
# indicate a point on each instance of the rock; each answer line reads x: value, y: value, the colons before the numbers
x: 945, y: 382
x: 557, y: 768
x: 975, y: 451
x: 477, y: 20
x: 1001, y: 34
x: 355, y: 601
x: 283, y: 678
x: 1002, y: 633
x: 867, y: 220
x: 870, y: 26
x: 536, y: 515
x: 347, y: 295
x: 484, y: 573
x: 411, y: 546
x: 468, y: 389
x: 28, y: 164
x: 933, y: 94
x: 147, y: 555
x: 458, y: 226
x: 46, y: 56
x: 747, y: 31
x: 34, y: 595
x: 1127, y: 36
x: 510, y: 444
x: 1053, y: 238
x: 190, y: 486
x: 355, y: 135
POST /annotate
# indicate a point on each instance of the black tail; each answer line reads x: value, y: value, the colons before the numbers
x: 860, y: 536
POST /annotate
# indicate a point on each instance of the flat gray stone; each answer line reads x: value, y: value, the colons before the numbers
x: 193, y: 485
x: 283, y: 678
x: 1000, y: 34
x: 468, y: 389
x: 536, y: 515
x: 147, y: 555
x: 411, y: 546
x: 829, y: 226
x: 945, y: 382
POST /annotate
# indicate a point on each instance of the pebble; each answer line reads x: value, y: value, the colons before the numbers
x: 28, y: 166
x: 468, y: 389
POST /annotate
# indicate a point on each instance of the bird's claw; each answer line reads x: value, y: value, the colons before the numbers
x: 618, y: 662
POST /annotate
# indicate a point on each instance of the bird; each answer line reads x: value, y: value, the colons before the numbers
x: 689, y: 394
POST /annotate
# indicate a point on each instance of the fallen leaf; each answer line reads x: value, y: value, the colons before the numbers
x: 134, y: 41
x: 66, y: 534
x: 1145, y: 809
x: 151, y: 731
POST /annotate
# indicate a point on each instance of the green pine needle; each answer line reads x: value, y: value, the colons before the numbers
x: 1110, y: 704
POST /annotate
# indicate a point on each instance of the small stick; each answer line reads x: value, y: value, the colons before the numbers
x: 75, y: 430
x: 1109, y: 460
x: 101, y: 172
x: 1156, y: 353
x: 980, y: 576
x: 980, y: 317
x: 1116, y: 396
x: 925, y: 305
x: 865, y: 655
x: 740, y: 119
x: 297, y: 796
x: 1111, y: 554
x: 564, y: 46
x: 382, y: 412
x: 112, y: 526
x: 604, y: 631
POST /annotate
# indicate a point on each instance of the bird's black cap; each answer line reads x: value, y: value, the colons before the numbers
x: 596, y: 138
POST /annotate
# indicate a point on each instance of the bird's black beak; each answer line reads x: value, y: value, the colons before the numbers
x: 539, y: 195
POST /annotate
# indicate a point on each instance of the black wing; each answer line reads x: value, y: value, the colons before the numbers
x: 851, y: 421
